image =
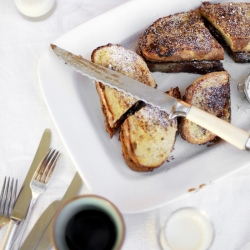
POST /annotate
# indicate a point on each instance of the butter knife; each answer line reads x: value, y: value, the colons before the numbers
x: 172, y: 106
x: 39, y: 237
x: 23, y: 200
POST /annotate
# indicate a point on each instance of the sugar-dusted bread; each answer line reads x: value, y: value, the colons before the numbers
x: 180, y: 43
x: 210, y: 93
x: 148, y: 137
x: 116, y: 106
x: 230, y: 24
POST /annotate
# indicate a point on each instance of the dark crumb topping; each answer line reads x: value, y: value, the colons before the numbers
x: 177, y: 32
x: 233, y: 18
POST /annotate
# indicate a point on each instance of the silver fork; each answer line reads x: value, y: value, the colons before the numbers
x: 38, y: 186
x: 7, y: 200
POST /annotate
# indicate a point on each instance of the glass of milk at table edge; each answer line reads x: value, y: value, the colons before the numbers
x: 187, y: 229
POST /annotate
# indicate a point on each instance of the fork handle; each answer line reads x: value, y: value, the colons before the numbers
x: 19, y: 236
x: 12, y: 227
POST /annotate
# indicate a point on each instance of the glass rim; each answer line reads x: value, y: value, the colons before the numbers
x: 201, y: 212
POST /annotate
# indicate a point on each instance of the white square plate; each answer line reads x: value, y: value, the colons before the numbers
x: 75, y: 109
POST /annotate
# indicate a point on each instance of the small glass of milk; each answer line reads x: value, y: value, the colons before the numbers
x: 34, y: 8
x: 187, y: 229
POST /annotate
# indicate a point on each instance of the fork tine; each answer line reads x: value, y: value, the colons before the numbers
x: 47, y: 166
x: 51, y: 166
x: 12, y: 200
x: 6, y: 197
x: 42, y: 165
x: 2, y: 196
x: 14, y: 195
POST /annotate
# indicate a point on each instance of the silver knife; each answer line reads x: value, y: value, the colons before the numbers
x: 23, y: 200
x: 155, y: 97
x: 39, y: 237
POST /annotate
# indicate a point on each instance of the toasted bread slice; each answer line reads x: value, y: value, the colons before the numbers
x: 148, y: 137
x: 230, y: 23
x: 116, y: 106
x: 180, y: 38
x: 210, y: 93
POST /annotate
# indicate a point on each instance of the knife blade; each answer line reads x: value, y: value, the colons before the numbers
x: 154, y: 97
x: 39, y: 237
x: 23, y: 200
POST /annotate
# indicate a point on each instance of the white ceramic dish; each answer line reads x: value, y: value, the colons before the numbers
x: 75, y: 109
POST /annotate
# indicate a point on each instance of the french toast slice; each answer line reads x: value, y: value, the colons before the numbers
x: 230, y: 24
x: 148, y: 137
x: 210, y: 93
x: 116, y: 106
x: 180, y: 43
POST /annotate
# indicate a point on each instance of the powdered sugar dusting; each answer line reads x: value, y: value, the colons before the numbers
x: 154, y: 117
x: 233, y: 18
x: 125, y: 62
x: 179, y: 33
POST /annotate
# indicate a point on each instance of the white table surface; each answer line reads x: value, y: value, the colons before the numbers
x: 24, y: 116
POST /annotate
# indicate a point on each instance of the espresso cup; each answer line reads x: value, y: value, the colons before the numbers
x: 88, y: 222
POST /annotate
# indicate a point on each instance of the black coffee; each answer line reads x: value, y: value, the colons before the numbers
x: 90, y: 229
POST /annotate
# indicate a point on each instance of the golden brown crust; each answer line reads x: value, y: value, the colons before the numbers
x: 179, y: 37
x: 232, y: 20
x: 114, y: 103
x: 148, y: 137
x: 210, y: 93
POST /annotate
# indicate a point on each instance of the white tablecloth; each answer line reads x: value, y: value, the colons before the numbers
x: 24, y: 116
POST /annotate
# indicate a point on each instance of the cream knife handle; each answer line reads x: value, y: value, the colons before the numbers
x: 223, y: 129
x: 12, y: 227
